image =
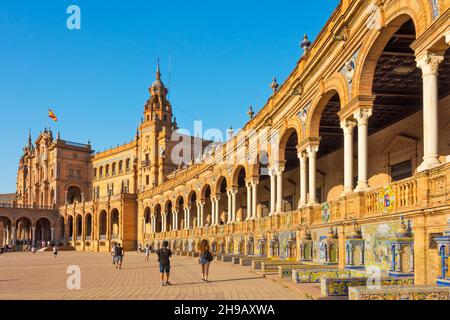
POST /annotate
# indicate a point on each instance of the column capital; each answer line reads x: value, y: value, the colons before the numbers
x: 201, y: 203
x: 277, y: 168
x: 216, y: 197
x: 429, y: 62
x: 362, y: 116
x: 252, y: 181
x: 232, y: 190
x: 348, y: 125
x: 312, y: 150
x: 358, y: 102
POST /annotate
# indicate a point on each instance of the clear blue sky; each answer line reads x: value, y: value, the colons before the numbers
x: 223, y: 56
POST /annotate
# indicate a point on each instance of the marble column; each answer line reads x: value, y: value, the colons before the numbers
x: 254, y: 199
x: 175, y: 220
x: 198, y: 215
x: 273, y: 191
x: 14, y: 235
x: 33, y: 235
x: 362, y: 117
x: 348, y: 127
x: 303, y: 172
x: 230, y: 207
x: 279, y: 174
x: 429, y: 63
x: 312, y: 157
x: 249, y: 201
x: 234, y: 193
x: 213, y: 211
x: 188, y: 222
x: 201, y: 208
x: 217, y: 207
x: 164, y: 222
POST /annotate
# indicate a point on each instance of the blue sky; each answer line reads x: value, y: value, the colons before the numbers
x: 222, y: 54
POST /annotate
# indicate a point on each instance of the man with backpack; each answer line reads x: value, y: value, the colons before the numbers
x: 164, y: 256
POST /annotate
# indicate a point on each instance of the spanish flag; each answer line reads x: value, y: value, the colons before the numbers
x: 52, y: 115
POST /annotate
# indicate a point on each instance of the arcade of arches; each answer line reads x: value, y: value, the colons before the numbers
x: 354, y: 170
x: 355, y: 159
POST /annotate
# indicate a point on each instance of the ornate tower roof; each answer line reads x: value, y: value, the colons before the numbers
x: 157, y: 87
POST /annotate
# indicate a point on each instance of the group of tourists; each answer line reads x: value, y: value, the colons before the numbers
x: 164, y: 255
x: 117, y: 253
x: 33, y: 250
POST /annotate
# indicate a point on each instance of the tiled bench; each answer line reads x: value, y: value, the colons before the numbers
x: 400, y: 293
x: 285, y: 271
x: 272, y: 266
x: 246, y: 262
x: 332, y: 286
x: 313, y: 275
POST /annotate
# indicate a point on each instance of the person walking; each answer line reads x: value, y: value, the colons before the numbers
x: 118, y: 254
x: 164, y: 256
x: 33, y: 249
x: 2, y: 252
x: 113, y: 253
x: 147, y: 252
x: 55, y: 252
x: 206, y: 258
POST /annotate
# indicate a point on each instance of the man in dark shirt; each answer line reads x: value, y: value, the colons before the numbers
x: 118, y: 255
x: 164, y: 256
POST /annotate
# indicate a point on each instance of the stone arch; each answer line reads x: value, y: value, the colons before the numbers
x: 236, y: 173
x: 62, y: 228
x: 284, y: 138
x: 79, y: 225
x: 157, y: 212
x: 179, y: 202
x: 179, y: 205
x: 70, y: 227
x: 204, y: 191
x: 419, y: 11
x: 147, y: 220
x: 191, y: 197
x: 23, y: 229
x: 293, y: 124
x: 73, y: 194
x: 43, y: 230
x: 88, y: 225
x: 168, y: 207
x: 218, y: 184
x: 115, y: 223
x: 102, y: 223
x: 332, y: 86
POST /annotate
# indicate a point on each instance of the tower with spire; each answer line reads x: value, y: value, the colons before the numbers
x: 155, y: 133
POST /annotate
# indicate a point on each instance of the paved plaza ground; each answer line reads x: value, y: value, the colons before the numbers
x: 41, y: 277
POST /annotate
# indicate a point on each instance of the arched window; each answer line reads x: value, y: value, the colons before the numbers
x: 113, y: 169
x: 107, y: 170
x: 73, y: 194
x: 95, y: 173
x: 128, y: 165
x: 101, y: 172
x: 120, y: 166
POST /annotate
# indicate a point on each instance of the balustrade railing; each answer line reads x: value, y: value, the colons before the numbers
x: 25, y: 206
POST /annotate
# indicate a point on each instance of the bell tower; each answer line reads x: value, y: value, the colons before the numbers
x: 155, y: 136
